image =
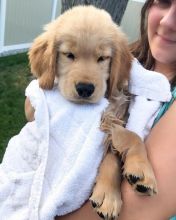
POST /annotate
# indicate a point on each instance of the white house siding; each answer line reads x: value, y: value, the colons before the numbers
x: 131, y: 19
x: 22, y: 20
x: 25, y: 19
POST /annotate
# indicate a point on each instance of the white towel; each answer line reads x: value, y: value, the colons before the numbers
x: 49, y: 168
x: 149, y: 89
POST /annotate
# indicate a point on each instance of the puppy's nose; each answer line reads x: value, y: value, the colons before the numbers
x: 85, y: 90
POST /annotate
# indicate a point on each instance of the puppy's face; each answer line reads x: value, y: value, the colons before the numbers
x: 83, y: 49
x: 83, y: 66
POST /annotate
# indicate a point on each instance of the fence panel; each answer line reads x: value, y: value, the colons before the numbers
x: 21, y: 21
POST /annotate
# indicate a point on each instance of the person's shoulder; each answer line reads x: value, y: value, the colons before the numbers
x: 172, y: 104
x: 170, y: 115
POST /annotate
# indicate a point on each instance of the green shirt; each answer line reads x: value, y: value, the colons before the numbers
x: 165, y: 106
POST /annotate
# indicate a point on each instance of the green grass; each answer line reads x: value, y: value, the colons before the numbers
x: 14, y: 77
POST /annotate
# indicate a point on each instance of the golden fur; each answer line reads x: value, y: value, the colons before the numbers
x: 89, y: 38
x: 87, y: 53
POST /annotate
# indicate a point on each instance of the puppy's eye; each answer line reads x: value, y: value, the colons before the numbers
x: 70, y: 56
x: 102, y: 58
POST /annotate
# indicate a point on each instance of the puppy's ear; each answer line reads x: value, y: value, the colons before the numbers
x: 120, y: 64
x: 42, y: 57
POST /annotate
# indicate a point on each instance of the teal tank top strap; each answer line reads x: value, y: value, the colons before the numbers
x: 165, y: 106
x: 163, y: 109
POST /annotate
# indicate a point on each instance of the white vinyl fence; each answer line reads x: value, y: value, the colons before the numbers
x: 22, y: 20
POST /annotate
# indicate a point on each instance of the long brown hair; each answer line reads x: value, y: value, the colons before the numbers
x: 141, y: 49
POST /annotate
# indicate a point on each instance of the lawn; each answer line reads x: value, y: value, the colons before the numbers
x: 14, y: 77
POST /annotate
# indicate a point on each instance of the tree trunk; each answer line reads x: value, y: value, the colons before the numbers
x: 115, y: 7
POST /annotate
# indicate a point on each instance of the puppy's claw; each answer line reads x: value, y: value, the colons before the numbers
x: 101, y: 215
x: 142, y: 188
x: 106, y: 217
x: 94, y: 204
x: 145, y: 190
x: 106, y: 203
x: 132, y: 179
x: 140, y: 176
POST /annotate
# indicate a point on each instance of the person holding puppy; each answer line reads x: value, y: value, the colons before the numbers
x: 156, y: 51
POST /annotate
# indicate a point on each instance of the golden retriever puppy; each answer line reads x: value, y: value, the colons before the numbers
x: 87, y: 53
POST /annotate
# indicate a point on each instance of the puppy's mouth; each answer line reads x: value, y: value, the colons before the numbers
x: 83, y: 100
x: 77, y: 99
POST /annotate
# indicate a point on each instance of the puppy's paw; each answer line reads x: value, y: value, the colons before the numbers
x: 140, y: 175
x: 107, y: 202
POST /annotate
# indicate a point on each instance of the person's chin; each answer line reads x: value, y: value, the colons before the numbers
x: 161, y: 56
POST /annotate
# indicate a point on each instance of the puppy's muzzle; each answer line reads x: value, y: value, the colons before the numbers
x: 85, y: 90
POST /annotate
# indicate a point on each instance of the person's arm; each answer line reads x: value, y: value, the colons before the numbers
x: 161, y: 148
x: 29, y: 110
x: 86, y: 212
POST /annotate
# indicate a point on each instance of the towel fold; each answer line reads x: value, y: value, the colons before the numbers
x: 149, y: 89
x: 49, y: 168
